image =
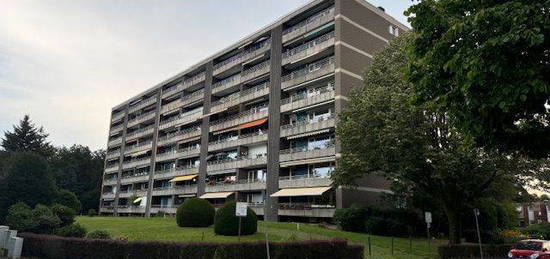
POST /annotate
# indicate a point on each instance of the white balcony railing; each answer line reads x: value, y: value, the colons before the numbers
x: 309, y: 24
x: 311, y: 71
x: 185, y: 84
x: 240, y: 97
x: 256, y: 50
x: 228, y: 63
x: 243, y: 117
x: 311, y: 125
x: 142, y: 104
x: 226, y: 83
x: 179, y: 135
x: 255, y: 71
x: 309, y: 48
x: 141, y: 132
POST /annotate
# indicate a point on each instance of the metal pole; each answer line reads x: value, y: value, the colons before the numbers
x: 428, y: 230
x: 267, y: 243
x: 476, y: 213
x: 370, y: 251
x: 240, y: 229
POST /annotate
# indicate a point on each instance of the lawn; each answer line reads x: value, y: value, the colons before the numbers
x: 165, y: 229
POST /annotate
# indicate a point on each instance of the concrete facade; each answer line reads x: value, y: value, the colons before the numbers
x: 251, y: 120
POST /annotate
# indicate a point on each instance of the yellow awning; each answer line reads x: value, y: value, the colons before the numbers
x: 315, y: 191
x: 138, y: 200
x: 183, y: 178
x: 216, y: 195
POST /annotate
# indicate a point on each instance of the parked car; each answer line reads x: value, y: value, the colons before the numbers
x: 540, y: 255
x: 531, y: 248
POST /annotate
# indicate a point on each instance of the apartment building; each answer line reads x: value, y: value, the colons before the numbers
x: 254, y: 122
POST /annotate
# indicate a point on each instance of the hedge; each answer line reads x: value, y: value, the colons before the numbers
x: 48, y: 246
x: 195, y: 212
x: 472, y: 251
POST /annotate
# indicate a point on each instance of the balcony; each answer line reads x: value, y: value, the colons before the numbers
x: 305, y: 100
x: 187, y: 99
x: 142, y: 104
x: 115, y: 142
x: 117, y: 116
x: 139, y: 147
x: 142, y: 118
x: 170, y: 209
x: 108, y: 195
x: 181, y: 119
x: 303, y: 154
x: 240, y: 141
x: 184, y: 85
x: 174, y: 172
x: 240, y: 97
x: 237, y: 119
x: 175, y: 190
x: 112, y: 154
x: 110, y: 181
x: 130, y: 209
x: 140, y: 177
x: 179, y: 136
x: 116, y: 129
x: 136, y: 162
x: 310, y: 72
x: 180, y: 153
x: 240, y: 162
x: 256, y: 50
x: 241, y: 185
x: 309, y: 48
x: 227, y: 64
x: 308, y: 126
x: 112, y: 168
x: 141, y: 132
x: 309, y: 24
x: 307, y: 210
x: 302, y: 182
x: 130, y: 193
x: 226, y: 83
x: 256, y: 71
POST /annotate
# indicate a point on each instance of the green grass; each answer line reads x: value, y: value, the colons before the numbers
x: 165, y: 229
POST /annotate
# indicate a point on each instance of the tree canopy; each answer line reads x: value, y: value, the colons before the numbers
x: 381, y: 132
x: 487, y: 64
x: 27, y: 137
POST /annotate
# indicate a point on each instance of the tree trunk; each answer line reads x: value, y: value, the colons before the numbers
x: 454, y: 213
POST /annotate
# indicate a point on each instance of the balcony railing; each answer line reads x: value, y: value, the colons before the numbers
x: 228, y: 63
x: 138, y: 146
x: 174, y: 190
x: 115, y: 142
x: 305, y: 100
x: 243, y: 117
x: 187, y: 99
x: 179, y: 135
x: 178, y: 171
x: 309, y: 24
x: 226, y: 83
x: 145, y: 116
x: 193, y: 150
x: 116, y: 129
x: 306, y: 181
x: 309, y: 72
x: 306, y: 153
x: 309, y: 48
x: 142, y: 104
x: 141, y: 132
x: 240, y: 185
x: 182, y: 119
x: 185, y: 84
x: 117, y: 116
x: 113, y: 154
x: 245, y: 139
x: 136, y: 162
x: 239, y: 162
x: 256, y: 71
x: 256, y: 50
x: 110, y: 181
x: 240, y: 97
x: 311, y: 125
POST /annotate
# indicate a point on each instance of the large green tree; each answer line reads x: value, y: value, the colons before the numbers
x: 487, y: 64
x: 382, y: 133
x: 27, y: 137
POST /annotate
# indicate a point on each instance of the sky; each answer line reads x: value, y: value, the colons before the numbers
x: 66, y: 63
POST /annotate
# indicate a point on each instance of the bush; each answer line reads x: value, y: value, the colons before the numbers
x: 44, y: 219
x: 386, y: 227
x: 69, y: 199
x: 20, y: 217
x: 227, y: 223
x: 74, y: 230
x: 352, y: 218
x: 541, y: 230
x: 472, y: 251
x: 44, y: 246
x: 195, y: 212
x: 99, y: 234
x: 64, y: 213
x: 92, y: 212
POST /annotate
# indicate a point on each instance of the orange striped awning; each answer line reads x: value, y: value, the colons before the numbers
x: 252, y: 124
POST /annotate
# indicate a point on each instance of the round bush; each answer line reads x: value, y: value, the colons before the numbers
x: 64, y: 213
x: 44, y: 219
x: 74, y: 230
x: 20, y: 217
x: 227, y: 223
x: 99, y: 234
x: 195, y: 212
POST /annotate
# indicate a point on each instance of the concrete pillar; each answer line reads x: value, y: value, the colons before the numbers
x: 152, y: 168
x: 14, y: 247
x: 205, y: 129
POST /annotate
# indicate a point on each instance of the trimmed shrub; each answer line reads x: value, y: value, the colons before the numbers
x: 45, y: 246
x: 195, y: 212
x: 20, y: 217
x: 74, y: 230
x: 541, y: 230
x: 44, y: 219
x: 352, y: 218
x: 99, y: 234
x: 472, y: 251
x: 64, y: 213
x: 92, y: 212
x: 69, y: 199
x: 227, y: 223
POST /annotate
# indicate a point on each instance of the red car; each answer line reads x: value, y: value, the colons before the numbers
x: 541, y: 255
x: 529, y: 249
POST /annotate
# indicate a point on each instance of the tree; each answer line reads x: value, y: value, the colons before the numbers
x: 382, y: 133
x: 28, y: 180
x: 69, y: 199
x: 27, y: 137
x: 486, y: 64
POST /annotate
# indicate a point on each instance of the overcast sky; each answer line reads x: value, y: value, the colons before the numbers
x: 67, y: 62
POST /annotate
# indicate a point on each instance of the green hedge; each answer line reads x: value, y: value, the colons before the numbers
x: 472, y: 251
x: 46, y: 246
x: 227, y: 223
x: 195, y: 212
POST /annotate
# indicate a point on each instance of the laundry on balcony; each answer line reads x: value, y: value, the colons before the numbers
x: 216, y: 195
x: 314, y: 191
x: 183, y: 178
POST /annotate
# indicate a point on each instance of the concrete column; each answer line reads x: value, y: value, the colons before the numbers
x: 205, y: 129
x: 121, y: 158
x: 271, y: 206
x: 152, y: 168
x: 14, y: 247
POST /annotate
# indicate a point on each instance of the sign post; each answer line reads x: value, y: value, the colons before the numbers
x: 476, y: 215
x: 428, y: 218
x: 240, y: 212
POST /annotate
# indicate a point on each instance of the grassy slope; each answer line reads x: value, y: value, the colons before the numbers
x: 165, y: 229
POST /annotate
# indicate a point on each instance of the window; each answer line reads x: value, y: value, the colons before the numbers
x: 394, y: 30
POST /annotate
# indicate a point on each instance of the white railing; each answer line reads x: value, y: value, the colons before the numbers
x: 303, y: 50
x: 228, y: 63
x: 256, y: 49
x: 310, y: 23
x: 227, y: 82
x: 256, y: 70
x: 238, y: 116
x: 167, y: 137
x: 142, y: 104
x: 139, y: 131
x: 236, y: 98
